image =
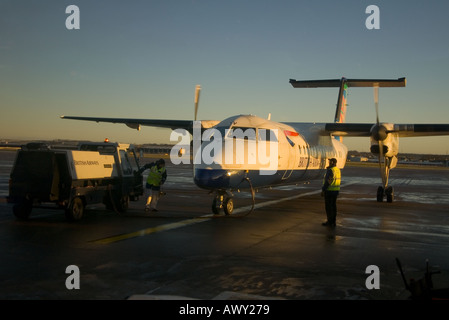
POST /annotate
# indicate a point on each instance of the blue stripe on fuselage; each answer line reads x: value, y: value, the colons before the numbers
x: 235, y: 179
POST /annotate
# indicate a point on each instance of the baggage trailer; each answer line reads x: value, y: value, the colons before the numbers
x: 71, y: 179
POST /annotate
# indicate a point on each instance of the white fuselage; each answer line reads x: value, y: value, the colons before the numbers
x: 266, y: 152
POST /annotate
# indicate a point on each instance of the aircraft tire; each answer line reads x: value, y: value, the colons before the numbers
x: 228, y: 206
x: 215, y: 206
x: 380, y: 194
x: 390, y: 194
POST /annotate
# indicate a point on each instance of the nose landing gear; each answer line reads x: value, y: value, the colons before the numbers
x: 223, y: 200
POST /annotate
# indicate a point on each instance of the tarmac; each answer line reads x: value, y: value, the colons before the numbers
x: 278, y: 251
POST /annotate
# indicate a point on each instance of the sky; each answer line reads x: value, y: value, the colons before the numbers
x: 143, y: 59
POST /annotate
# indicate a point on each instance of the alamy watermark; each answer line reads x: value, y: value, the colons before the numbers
x: 371, y: 282
x: 73, y: 280
x: 373, y: 20
x: 72, y: 22
x: 235, y: 146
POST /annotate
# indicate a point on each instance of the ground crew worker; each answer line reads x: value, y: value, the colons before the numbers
x: 330, y: 191
x: 156, y: 178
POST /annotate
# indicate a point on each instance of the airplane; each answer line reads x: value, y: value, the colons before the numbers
x: 232, y: 154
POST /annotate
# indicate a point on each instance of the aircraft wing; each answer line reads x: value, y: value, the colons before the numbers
x: 403, y: 130
x: 136, y: 123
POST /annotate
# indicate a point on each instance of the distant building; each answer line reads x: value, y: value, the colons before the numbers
x: 358, y: 159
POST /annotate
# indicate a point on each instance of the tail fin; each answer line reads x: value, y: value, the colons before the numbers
x: 344, y: 84
x: 340, y: 112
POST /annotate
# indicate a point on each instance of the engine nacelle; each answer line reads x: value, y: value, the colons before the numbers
x: 134, y: 126
x: 390, y: 143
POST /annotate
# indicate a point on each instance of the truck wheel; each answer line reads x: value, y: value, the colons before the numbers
x: 75, y: 211
x: 22, y: 211
x: 122, y: 204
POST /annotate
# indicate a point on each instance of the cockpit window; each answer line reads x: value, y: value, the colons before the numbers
x: 216, y: 132
x: 246, y: 133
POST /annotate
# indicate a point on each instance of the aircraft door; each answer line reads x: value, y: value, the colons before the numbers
x: 293, y: 153
x: 269, y: 149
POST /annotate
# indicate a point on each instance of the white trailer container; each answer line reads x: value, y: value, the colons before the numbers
x: 70, y: 179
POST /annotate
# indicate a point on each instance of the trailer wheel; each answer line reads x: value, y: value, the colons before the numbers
x: 22, y: 211
x: 76, y: 210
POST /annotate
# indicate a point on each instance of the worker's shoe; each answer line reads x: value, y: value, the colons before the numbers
x: 147, y: 209
x: 328, y: 224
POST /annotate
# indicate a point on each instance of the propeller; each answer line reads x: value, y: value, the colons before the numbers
x: 379, y: 133
x: 194, y: 146
x: 197, y: 98
x: 376, y: 102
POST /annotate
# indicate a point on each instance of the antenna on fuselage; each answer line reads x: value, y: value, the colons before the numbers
x: 269, y: 116
x: 197, y: 98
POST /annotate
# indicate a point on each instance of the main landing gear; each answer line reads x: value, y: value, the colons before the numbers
x: 223, y: 200
x: 385, y: 190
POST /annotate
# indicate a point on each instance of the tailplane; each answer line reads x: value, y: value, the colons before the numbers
x: 344, y: 84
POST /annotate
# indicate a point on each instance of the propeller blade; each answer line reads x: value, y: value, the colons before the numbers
x: 197, y: 98
x: 382, y: 165
x: 380, y: 136
x: 376, y: 101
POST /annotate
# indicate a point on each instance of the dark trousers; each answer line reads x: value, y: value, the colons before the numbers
x: 330, y: 202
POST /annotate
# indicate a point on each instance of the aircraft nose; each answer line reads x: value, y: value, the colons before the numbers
x: 212, y: 178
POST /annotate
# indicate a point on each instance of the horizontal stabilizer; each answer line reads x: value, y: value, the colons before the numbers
x: 400, y: 82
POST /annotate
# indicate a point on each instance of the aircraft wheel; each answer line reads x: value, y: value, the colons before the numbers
x: 380, y: 194
x: 216, y: 205
x: 390, y: 194
x: 228, y: 206
x: 76, y: 210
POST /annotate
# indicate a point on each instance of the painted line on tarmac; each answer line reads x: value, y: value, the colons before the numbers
x: 188, y: 222
x: 147, y: 231
x: 267, y: 203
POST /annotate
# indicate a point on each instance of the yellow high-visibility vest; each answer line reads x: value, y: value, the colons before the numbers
x: 155, y: 175
x: 335, y: 184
